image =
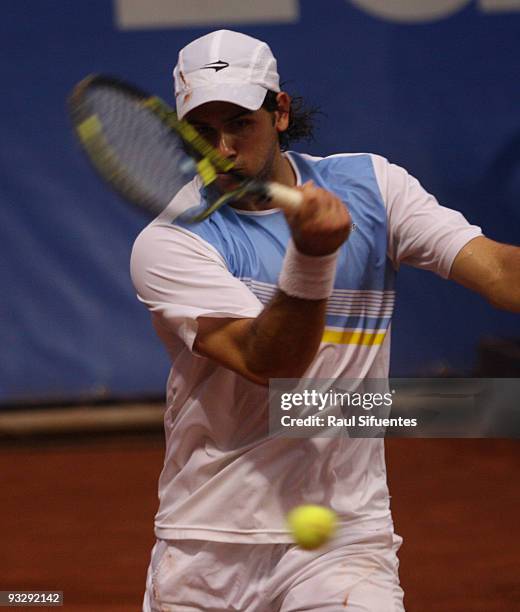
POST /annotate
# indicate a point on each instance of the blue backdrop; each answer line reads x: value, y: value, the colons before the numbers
x: 440, y: 97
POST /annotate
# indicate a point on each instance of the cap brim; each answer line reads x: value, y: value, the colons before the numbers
x: 248, y: 96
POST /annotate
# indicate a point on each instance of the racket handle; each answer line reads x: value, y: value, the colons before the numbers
x: 284, y: 196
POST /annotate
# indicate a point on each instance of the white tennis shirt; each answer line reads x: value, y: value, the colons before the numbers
x: 224, y: 478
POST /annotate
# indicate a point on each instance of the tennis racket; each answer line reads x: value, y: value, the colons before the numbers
x: 139, y: 146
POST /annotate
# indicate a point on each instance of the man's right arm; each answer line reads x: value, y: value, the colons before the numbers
x: 283, y: 339
x: 280, y: 343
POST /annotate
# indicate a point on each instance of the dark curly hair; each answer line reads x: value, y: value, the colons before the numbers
x: 301, y: 119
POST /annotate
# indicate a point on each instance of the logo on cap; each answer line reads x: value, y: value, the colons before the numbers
x: 220, y: 65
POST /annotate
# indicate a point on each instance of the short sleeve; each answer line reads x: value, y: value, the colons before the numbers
x: 180, y: 277
x: 421, y: 232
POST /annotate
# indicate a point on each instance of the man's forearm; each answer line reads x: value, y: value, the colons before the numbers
x: 285, y: 337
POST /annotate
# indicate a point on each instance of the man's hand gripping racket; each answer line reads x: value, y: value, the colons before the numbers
x: 142, y: 149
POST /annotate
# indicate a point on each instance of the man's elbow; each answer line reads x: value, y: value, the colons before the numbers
x: 503, y: 292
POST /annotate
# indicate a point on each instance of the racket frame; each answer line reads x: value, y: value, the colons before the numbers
x: 208, y: 161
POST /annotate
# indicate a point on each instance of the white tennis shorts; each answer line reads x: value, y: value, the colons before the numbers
x: 350, y: 574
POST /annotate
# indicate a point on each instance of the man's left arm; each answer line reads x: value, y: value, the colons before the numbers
x: 492, y: 269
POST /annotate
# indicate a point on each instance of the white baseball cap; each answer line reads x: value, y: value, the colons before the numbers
x: 224, y: 66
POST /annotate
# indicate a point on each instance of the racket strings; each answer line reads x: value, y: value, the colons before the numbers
x: 148, y: 159
x: 140, y: 147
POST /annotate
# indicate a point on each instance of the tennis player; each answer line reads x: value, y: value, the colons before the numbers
x: 253, y: 293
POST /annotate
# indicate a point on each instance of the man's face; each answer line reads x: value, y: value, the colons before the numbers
x: 248, y: 138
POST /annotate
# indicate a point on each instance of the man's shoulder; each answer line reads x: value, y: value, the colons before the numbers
x: 351, y: 162
x: 163, y: 226
x: 343, y: 169
x: 163, y: 242
x: 323, y: 158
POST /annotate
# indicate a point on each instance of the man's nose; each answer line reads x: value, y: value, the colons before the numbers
x: 226, y: 146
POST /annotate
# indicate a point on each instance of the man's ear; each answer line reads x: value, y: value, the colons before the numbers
x: 281, y: 114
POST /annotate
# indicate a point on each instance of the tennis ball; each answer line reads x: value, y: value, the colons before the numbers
x: 311, y: 525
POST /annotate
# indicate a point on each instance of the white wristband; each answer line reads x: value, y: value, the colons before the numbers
x: 306, y: 276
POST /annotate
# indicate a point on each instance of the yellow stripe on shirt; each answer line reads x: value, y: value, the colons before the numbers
x: 346, y: 336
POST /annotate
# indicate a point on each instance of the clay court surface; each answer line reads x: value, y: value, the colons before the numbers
x: 77, y: 513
